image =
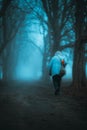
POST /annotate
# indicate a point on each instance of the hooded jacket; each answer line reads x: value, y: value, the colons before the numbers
x: 55, y: 63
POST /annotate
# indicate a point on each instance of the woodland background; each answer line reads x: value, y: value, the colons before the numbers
x: 31, y: 31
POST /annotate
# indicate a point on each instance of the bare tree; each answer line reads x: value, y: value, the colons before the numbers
x: 59, y: 14
x: 12, y: 18
x: 79, y: 73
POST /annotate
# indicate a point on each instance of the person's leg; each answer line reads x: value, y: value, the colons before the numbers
x: 56, y: 83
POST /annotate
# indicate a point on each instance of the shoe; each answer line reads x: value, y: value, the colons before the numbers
x: 56, y: 92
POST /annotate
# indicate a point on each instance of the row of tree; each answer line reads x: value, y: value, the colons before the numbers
x: 61, y: 13
x: 64, y: 25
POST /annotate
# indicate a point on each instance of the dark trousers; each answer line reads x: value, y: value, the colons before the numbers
x: 56, y: 82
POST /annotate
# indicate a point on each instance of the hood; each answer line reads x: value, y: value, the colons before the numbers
x: 59, y: 54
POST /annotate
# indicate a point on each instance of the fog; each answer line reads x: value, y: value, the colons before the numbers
x: 24, y: 58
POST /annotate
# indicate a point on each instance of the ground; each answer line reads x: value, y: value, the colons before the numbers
x: 31, y: 106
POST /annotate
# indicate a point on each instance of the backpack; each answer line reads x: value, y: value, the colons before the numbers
x: 62, y: 70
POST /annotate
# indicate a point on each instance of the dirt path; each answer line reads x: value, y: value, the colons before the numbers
x: 30, y: 106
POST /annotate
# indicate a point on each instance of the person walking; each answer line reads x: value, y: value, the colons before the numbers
x: 57, y: 70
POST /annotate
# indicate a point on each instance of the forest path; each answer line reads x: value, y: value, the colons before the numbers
x: 34, y: 106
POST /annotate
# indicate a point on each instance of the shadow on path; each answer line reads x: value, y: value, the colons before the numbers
x: 34, y: 106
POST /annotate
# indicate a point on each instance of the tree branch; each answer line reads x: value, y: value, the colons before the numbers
x: 70, y: 45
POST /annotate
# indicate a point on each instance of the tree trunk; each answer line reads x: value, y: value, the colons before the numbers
x: 79, y: 76
x: 4, y: 59
x: 79, y: 55
x: 47, y: 44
